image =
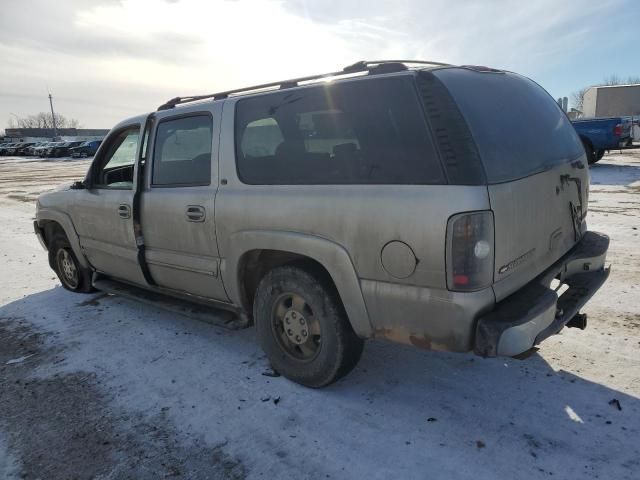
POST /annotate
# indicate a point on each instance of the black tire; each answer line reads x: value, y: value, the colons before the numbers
x: 591, y: 153
x: 65, y: 263
x: 599, y: 155
x: 331, y: 350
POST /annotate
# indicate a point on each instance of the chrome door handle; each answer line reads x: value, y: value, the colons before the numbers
x: 195, y: 213
x: 124, y: 211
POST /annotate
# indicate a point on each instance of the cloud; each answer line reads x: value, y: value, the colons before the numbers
x: 107, y: 59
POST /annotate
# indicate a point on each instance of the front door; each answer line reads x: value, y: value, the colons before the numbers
x: 177, y: 209
x: 103, y: 215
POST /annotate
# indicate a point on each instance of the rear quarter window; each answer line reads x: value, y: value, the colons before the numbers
x: 518, y: 128
x: 370, y: 131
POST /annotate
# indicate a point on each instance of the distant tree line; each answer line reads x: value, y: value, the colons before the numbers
x: 43, y: 120
x: 577, y: 98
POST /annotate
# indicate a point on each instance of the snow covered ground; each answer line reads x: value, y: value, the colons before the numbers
x: 101, y: 387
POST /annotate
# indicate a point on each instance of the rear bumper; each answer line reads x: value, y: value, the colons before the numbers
x: 535, y: 312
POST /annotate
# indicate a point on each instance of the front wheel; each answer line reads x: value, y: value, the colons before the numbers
x: 73, y: 276
x: 303, y: 328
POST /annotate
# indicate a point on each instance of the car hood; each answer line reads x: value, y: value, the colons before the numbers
x: 60, y: 188
x: 57, y: 197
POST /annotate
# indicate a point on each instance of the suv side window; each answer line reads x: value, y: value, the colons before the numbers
x: 261, y: 138
x: 115, y: 169
x: 182, y: 151
x: 369, y: 131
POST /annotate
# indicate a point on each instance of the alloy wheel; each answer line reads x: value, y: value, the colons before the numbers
x: 296, y: 327
x: 67, y: 268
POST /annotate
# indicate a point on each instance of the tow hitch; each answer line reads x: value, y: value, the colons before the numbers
x: 579, y: 320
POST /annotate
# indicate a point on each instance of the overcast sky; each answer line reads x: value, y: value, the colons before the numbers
x: 104, y: 60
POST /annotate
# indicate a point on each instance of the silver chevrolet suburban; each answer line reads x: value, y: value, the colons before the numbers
x: 435, y: 205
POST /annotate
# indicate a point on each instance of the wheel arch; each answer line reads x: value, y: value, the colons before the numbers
x: 255, y: 252
x: 54, y: 220
x: 586, y: 140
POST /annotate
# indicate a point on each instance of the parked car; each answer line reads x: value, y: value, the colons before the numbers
x: 340, y: 214
x: 45, y: 152
x: 601, y: 134
x: 4, y: 148
x: 11, y: 150
x: 22, y: 148
x: 8, y: 148
x: 29, y: 149
x: 62, y: 149
x: 32, y: 148
x: 15, y: 148
x: 40, y: 150
x: 86, y: 149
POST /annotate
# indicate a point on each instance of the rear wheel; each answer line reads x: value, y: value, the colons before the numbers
x: 302, y: 327
x: 599, y: 155
x: 72, y: 274
x: 591, y: 153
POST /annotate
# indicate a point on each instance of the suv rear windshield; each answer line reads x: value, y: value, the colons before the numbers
x: 369, y: 131
x: 518, y: 128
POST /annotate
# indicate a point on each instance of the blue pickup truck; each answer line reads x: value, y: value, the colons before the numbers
x: 601, y: 134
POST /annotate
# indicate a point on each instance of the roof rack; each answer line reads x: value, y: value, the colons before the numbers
x: 371, y: 67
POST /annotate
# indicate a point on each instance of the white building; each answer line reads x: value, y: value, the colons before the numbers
x: 612, y: 101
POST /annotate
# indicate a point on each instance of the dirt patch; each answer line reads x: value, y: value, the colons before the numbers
x: 629, y: 211
x: 22, y: 198
x: 63, y: 426
x: 633, y: 321
x: 92, y: 302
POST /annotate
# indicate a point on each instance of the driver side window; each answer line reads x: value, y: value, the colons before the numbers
x: 116, y: 166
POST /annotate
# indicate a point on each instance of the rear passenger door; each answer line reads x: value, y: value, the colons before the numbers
x: 177, y: 209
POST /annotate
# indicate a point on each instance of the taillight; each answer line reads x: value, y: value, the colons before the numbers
x: 617, y: 130
x: 470, y: 251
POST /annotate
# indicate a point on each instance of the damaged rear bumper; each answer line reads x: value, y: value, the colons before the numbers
x: 536, y: 312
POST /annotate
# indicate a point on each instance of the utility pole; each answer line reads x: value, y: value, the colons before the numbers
x: 53, y: 116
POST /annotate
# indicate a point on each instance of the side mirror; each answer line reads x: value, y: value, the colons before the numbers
x: 78, y: 186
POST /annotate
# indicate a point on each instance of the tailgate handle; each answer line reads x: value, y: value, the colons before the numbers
x: 195, y: 213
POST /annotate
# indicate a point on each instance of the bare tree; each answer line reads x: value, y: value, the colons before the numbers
x: 577, y: 98
x: 43, y: 120
x: 612, y: 80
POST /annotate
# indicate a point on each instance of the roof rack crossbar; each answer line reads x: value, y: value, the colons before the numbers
x: 358, y: 67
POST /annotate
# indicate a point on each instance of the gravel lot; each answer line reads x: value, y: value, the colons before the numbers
x: 95, y: 386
